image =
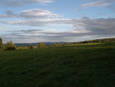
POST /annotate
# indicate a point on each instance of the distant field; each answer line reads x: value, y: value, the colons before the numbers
x: 86, y: 44
x: 79, y: 65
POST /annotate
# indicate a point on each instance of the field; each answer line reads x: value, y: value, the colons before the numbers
x: 79, y: 65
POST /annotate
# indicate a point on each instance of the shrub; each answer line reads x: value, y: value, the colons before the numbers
x: 31, y: 46
x: 1, y: 44
x: 21, y: 48
x: 51, y: 45
x: 10, y: 46
x: 63, y: 44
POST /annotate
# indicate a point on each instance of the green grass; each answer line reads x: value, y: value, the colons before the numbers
x: 79, y: 65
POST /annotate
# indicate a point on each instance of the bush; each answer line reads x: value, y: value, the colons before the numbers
x: 31, y: 46
x: 10, y: 46
x: 51, y: 45
x: 62, y: 44
x: 1, y: 44
x: 21, y: 48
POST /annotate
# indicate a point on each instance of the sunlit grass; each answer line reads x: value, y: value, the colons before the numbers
x: 87, y: 44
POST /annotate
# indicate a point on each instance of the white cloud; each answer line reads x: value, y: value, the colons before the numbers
x: 96, y: 4
x: 30, y: 14
x: 41, y: 22
x: 15, y: 3
x: 37, y: 13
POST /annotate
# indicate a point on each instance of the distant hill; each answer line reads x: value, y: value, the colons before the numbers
x: 49, y: 43
x: 35, y: 44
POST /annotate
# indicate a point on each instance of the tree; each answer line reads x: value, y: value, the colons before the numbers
x: 1, y: 44
x: 41, y: 45
x: 31, y: 46
x: 65, y: 42
x: 57, y: 44
x: 10, y: 46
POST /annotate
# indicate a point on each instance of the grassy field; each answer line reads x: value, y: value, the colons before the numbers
x: 79, y: 65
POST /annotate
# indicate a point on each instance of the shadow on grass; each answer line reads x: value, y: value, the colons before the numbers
x: 68, y: 66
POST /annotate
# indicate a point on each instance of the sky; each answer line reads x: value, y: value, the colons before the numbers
x: 31, y: 21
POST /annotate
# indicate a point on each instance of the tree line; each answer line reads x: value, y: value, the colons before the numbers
x: 11, y: 46
x: 96, y: 40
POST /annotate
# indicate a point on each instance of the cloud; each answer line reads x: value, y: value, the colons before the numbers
x: 101, y: 14
x: 41, y: 22
x: 96, y: 4
x: 43, y: 36
x: 8, y: 14
x: 30, y: 14
x: 111, y: 8
x: 16, y: 3
x: 53, y: 36
x: 37, y: 13
x: 101, y: 27
x: 96, y: 25
x: 29, y: 31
